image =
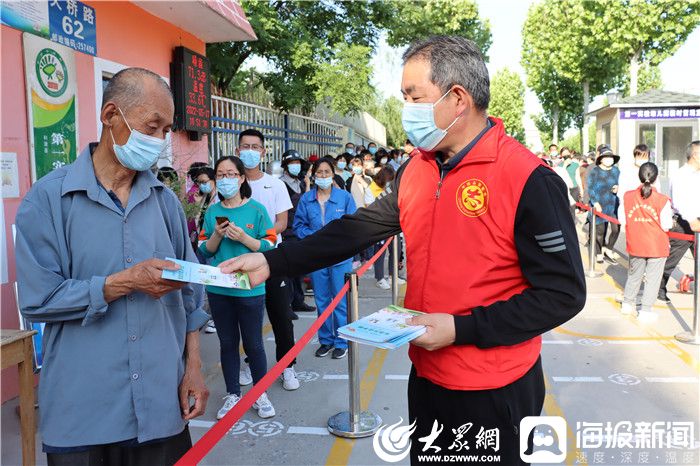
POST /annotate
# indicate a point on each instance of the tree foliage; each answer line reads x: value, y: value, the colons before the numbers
x: 307, y: 43
x: 388, y: 113
x: 508, y: 102
x: 649, y: 78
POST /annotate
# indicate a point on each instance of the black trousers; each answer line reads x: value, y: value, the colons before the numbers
x: 600, y: 230
x: 118, y: 454
x: 678, y: 249
x: 296, y: 284
x: 502, y: 408
x: 277, y: 299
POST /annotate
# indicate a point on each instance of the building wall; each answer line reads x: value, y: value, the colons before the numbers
x: 126, y: 35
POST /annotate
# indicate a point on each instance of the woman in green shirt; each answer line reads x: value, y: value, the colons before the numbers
x: 232, y: 227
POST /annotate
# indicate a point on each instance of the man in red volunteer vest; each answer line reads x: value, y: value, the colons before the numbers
x: 492, y: 257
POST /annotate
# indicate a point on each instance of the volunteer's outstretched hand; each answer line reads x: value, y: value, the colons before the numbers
x: 254, y: 264
x: 440, y: 330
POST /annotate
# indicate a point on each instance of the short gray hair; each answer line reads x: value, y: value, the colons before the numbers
x: 126, y: 87
x: 454, y: 60
x: 691, y: 146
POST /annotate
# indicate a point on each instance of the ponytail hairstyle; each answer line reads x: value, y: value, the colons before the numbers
x: 647, y: 175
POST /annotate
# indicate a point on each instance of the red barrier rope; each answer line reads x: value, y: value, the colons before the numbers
x: 671, y: 234
x: 200, y: 449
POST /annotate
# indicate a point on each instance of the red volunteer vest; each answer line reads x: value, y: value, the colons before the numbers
x: 645, y: 237
x: 461, y: 254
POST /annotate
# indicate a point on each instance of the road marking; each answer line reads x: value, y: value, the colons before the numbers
x: 573, y: 333
x: 668, y: 343
x: 342, y: 448
x: 672, y: 379
x: 202, y: 424
x: 557, y: 342
x: 396, y: 377
x: 307, y: 316
x: 577, y: 379
x: 552, y: 408
x: 308, y: 430
x: 335, y: 377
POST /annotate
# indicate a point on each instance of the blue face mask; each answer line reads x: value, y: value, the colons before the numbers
x: 419, y: 122
x: 342, y: 165
x: 250, y: 158
x: 227, y: 187
x: 205, y: 188
x: 140, y: 152
x: 349, y: 150
x: 294, y: 169
x: 372, y: 150
x: 324, y: 183
x: 357, y: 169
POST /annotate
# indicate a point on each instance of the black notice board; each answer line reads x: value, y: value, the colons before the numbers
x: 190, y: 81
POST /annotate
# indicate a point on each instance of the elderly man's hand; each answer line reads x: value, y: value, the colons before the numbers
x: 146, y: 277
x: 255, y: 265
x: 440, y: 330
x: 193, y: 386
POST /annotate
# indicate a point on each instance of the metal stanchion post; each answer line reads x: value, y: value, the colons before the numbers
x: 693, y: 337
x: 354, y: 423
x: 395, y: 273
x: 592, y: 272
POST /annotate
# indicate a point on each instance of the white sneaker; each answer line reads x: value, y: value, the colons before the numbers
x: 647, y: 317
x: 383, y: 284
x: 244, y: 376
x: 210, y: 328
x: 400, y: 281
x: 264, y: 407
x: 627, y: 309
x: 289, y: 379
x: 230, y: 401
x: 619, y: 298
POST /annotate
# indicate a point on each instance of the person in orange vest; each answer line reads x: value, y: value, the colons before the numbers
x: 492, y: 257
x: 648, y: 216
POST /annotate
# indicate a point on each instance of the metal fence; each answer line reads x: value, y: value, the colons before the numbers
x: 283, y: 131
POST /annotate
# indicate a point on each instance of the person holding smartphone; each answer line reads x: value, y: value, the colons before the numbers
x: 235, y: 226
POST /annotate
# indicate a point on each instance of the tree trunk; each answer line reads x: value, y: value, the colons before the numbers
x: 634, y: 72
x: 584, y: 125
x: 555, y: 126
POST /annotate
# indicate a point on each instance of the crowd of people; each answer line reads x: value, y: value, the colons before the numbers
x: 122, y: 367
x: 632, y: 198
x: 239, y: 208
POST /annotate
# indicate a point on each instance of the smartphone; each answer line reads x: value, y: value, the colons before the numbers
x: 221, y: 220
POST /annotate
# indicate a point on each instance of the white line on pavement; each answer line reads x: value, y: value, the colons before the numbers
x: 672, y: 379
x: 335, y: 377
x: 395, y: 377
x: 203, y: 424
x: 308, y: 430
x: 577, y: 379
x: 557, y: 342
x: 307, y: 316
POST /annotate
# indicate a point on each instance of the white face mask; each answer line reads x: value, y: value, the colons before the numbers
x: 607, y: 161
x: 640, y: 162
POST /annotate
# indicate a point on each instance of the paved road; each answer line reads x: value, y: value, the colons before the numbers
x: 601, y: 368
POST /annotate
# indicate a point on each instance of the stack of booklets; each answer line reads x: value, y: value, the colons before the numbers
x: 206, y: 275
x: 385, y: 328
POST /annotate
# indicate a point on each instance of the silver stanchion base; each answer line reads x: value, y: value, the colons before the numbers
x: 688, y: 337
x: 341, y: 426
x: 594, y: 274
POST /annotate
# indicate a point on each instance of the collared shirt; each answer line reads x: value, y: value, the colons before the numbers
x: 685, y: 192
x: 111, y: 371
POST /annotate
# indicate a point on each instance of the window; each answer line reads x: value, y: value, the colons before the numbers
x: 606, y: 133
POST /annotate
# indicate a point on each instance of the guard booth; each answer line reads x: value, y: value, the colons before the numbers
x: 665, y: 121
